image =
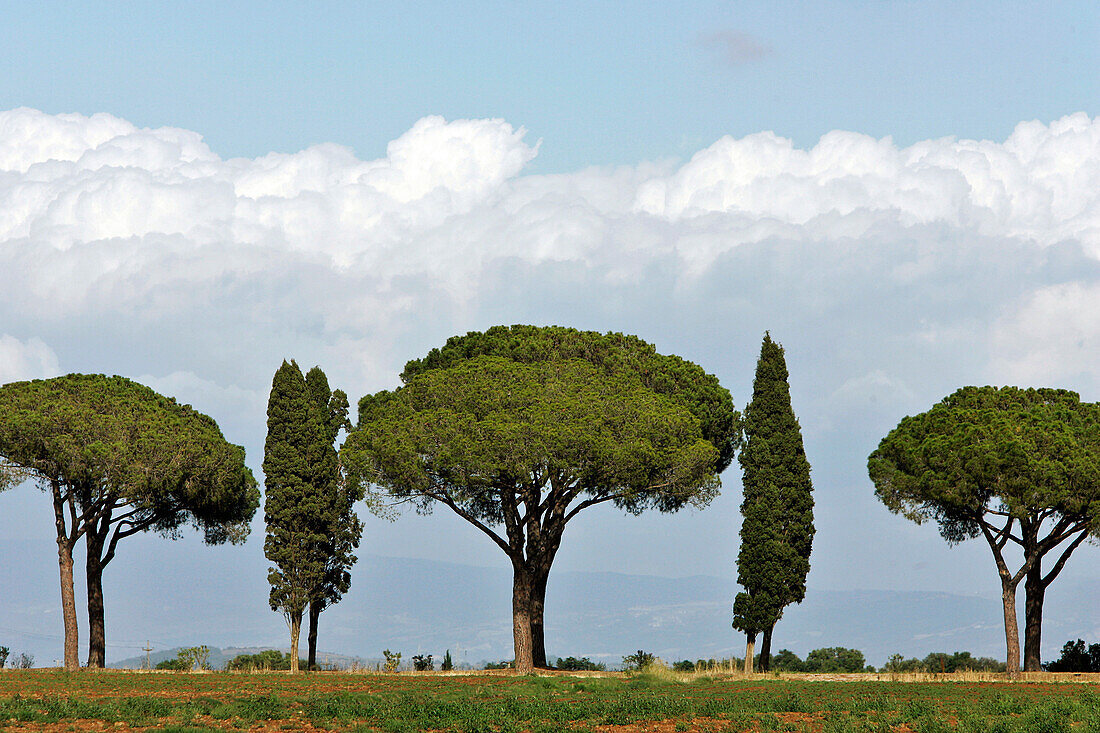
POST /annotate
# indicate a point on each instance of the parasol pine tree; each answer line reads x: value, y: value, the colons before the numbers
x: 518, y: 429
x: 117, y: 459
x: 1011, y: 465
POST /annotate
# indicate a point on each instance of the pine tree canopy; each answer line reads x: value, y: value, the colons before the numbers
x: 114, y: 441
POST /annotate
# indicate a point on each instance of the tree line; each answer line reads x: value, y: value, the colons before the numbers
x: 517, y: 430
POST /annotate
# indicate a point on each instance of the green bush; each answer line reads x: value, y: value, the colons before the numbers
x: 4, y: 652
x: 269, y: 659
x: 685, y: 665
x: 835, y: 659
x: 638, y: 661
x: 786, y: 661
x: 423, y: 663
x: 447, y: 665
x: 577, y: 665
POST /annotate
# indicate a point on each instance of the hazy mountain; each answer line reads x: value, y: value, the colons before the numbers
x: 218, y: 597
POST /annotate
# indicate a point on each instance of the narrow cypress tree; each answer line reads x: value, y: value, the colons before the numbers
x: 292, y: 461
x: 338, y: 522
x: 777, y: 531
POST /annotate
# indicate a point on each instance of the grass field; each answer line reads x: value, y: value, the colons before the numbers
x: 39, y: 700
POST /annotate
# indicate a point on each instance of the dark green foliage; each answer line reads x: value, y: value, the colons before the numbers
x: 579, y: 665
x: 786, y: 661
x: 498, y: 665
x: 312, y: 529
x: 1076, y: 658
x: 423, y: 663
x: 175, y: 665
x: 614, y: 354
x: 269, y: 659
x: 113, y: 441
x: 336, y: 519
x: 684, y: 665
x: 638, y: 661
x: 4, y: 652
x: 942, y: 662
x: 777, y: 531
x: 447, y: 664
x: 834, y: 659
x: 295, y: 462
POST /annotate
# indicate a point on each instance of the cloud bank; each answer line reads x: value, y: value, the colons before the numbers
x: 892, y: 275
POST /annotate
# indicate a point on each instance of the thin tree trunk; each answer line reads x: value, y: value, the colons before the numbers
x: 1012, y: 629
x: 750, y: 649
x: 766, y: 649
x: 68, y: 595
x: 538, y: 606
x: 68, y: 605
x: 97, y: 638
x: 521, y: 618
x: 295, y: 621
x: 311, y: 637
x: 1034, y: 592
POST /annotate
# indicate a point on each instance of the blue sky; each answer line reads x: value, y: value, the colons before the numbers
x: 926, y: 216
x: 600, y: 83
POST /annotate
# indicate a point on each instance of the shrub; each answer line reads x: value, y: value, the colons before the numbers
x: 638, y: 661
x: 175, y: 665
x: 447, y: 665
x: 685, y: 665
x: 498, y: 665
x: 786, y: 661
x: 577, y: 665
x: 4, y: 652
x: 393, y: 660
x: 423, y: 663
x: 835, y: 659
x: 269, y: 659
x: 23, y: 661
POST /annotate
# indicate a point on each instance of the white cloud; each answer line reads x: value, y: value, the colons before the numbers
x: 30, y: 359
x: 891, y: 275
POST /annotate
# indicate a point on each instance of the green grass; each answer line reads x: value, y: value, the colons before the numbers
x: 397, y: 703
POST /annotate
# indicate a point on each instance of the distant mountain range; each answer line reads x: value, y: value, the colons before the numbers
x: 420, y: 606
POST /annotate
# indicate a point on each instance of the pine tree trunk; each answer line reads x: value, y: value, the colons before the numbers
x: 538, y: 605
x: 295, y: 630
x: 97, y: 637
x: 750, y: 650
x: 1034, y: 592
x: 68, y: 605
x: 1012, y: 629
x: 766, y: 649
x: 68, y: 595
x: 311, y: 637
x: 521, y: 618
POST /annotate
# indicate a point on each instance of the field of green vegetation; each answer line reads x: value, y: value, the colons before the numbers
x: 56, y: 701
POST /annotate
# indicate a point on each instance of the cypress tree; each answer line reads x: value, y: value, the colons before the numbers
x: 293, y: 459
x: 777, y: 531
x: 337, y: 522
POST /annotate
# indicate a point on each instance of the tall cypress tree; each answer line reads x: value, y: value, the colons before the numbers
x: 777, y: 531
x: 338, y: 521
x: 293, y: 460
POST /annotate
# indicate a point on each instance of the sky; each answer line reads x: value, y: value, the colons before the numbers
x: 906, y: 195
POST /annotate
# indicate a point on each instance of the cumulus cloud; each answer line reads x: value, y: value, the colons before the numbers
x: 891, y: 274
x: 30, y: 359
